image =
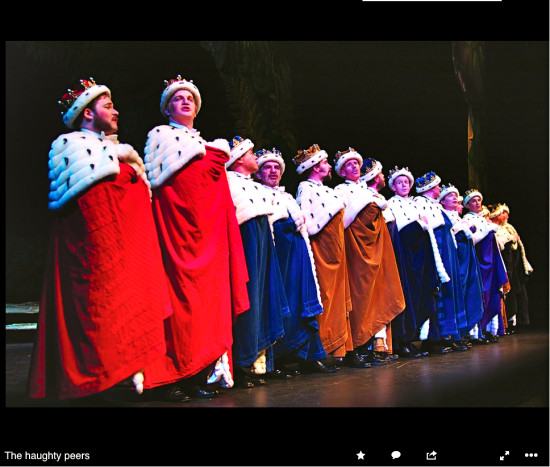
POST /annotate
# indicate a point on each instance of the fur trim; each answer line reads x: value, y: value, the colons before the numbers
x: 443, y: 276
x: 82, y: 101
x: 357, y: 196
x: 168, y: 149
x: 434, y: 181
x: 351, y: 154
x: 319, y: 203
x: 77, y: 161
x: 239, y: 151
x: 402, y: 210
x: 174, y: 87
x: 220, y: 144
x: 469, y: 195
x: 394, y: 173
x: 313, y: 160
x: 251, y: 199
x: 482, y: 226
x: 431, y: 209
x: 270, y: 156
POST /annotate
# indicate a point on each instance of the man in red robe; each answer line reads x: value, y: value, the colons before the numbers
x: 201, y: 248
x: 104, y: 296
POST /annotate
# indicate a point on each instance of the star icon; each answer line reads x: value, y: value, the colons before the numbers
x: 360, y: 455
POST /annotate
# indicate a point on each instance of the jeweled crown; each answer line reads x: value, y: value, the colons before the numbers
x: 425, y: 179
x: 368, y: 165
x: 67, y: 100
x: 177, y: 79
x: 470, y: 191
x: 341, y: 153
x: 397, y: 169
x: 304, y: 154
x: 263, y: 152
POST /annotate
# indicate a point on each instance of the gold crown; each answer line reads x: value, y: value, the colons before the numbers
x: 369, y: 165
x: 305, y: 154
x: 470, y: 191
x: 397, y: 169
x: 341, y: 153
x: 263, y: 152
x: 177, y: 79
x: 68, y: 99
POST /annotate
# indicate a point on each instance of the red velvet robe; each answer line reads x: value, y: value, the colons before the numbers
x: 104, y: 297
x: 205, y: 267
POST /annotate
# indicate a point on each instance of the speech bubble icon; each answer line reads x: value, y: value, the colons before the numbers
x: 395, y: 454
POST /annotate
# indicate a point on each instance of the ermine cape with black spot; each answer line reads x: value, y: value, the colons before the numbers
x: 77, y: 161
x: 319, y: 203
x: 251, y: 198
x: 357, y: 196
x: 171, y: 147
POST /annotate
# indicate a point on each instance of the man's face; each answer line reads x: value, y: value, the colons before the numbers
x: 182, y: 108
x: 249, y: 162
x: 474, y: 204
x: 105, y: 117
x: 434, y: 192
x: 324, y: 169
x: 270, y: 174
x: 380, y: 181
x: 402, y: 186
x: 450, y: 201
x: 351, y: 170
x: 504, y: 217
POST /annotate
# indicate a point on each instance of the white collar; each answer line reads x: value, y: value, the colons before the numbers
x: 94, y: 133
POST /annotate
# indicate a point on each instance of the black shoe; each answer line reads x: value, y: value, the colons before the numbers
x: 318, y: 366
x: 480, y: 341
x: 170, y: 393
x: 458, y: 346
x: 406, y: 352
x: 354, y: 360
x: 371, y: 357
x: 414, y: 349
x: 241, y: 379
x: 292, y: 370
x: 435, y: 347
x: 492, y: 339
x: 203, y: 393
x: 278, y: 374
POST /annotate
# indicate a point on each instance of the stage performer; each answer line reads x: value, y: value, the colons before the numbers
x: 201, y: 248
x: 323, y: 209
x: 104, y: 297
x: 470, y: 274
x: 517, y: 268
x: 382, y: 343
x: 493, y: 270
x: 376, y: 292
x: 451, y: 311
x: 261, y: 325
x: 423, y: 271
x: 301, y: 342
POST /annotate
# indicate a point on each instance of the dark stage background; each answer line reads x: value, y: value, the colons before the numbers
x: 399, y: 102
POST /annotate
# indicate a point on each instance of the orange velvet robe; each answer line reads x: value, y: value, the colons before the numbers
x: 375, y: 287
x: 329, y: 253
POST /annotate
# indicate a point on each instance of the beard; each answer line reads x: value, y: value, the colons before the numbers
x: 328, y: 177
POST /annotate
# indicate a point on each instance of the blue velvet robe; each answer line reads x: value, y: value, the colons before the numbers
x: 493, y: 277
x: 301, y: 338
x: 450, y: 304
x: 261, y: 325
x: 415, y: 260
